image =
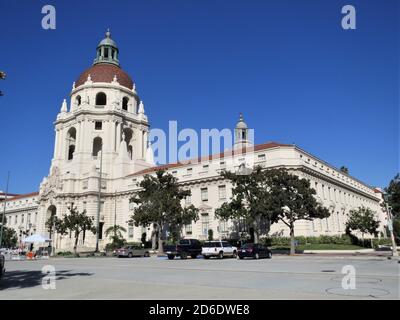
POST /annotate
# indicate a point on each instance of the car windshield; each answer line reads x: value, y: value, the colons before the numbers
x: 248, y: 246
x: 184, y: 242
x: 211, y: 244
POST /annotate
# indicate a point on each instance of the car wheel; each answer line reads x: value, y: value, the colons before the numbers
x: 269, y: 255
x: 171, y: 257
x: 129, y: 255
x: 206, y: 257
x: 234, y: 255
x: 194, y: 256
x: 256, y: 256
x: 220, y: 255
x: 241, y: 258
x: 146, y: 255
x: 183, y: 255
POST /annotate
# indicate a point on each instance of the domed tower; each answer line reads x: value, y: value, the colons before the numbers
x: 105, y: 118
x: 242, y: 138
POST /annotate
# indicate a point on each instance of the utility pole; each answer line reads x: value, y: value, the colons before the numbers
x: 4, y: 210
x: 99, y: 199
x: 390, y: 225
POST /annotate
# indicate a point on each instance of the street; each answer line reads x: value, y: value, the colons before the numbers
x: 282, y: 277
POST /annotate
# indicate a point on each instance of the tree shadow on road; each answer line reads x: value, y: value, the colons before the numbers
x: 27, y: 279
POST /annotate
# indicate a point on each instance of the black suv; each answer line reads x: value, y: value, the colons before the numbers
x: 184, y: 248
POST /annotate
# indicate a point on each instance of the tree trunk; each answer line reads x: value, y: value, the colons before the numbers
x: 256, y: 235
x: 160, y: 241
x: 76, y: 244
x: 292, y: 247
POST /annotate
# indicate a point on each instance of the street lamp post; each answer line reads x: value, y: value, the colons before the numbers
x: 99, y: 200
x: 390, y: 225
x: 4, y: 210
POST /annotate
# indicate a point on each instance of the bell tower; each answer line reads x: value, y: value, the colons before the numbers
x: 242, y: 138
x: 105, y: 122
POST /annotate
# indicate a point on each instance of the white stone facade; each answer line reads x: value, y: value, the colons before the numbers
x: 123, y: 128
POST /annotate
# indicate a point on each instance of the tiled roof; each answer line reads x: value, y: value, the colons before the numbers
x: 105, y: 72
x: 27, y: 195
x: 221, y: 155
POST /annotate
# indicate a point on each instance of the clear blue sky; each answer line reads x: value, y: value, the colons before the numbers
x: 297, y: 76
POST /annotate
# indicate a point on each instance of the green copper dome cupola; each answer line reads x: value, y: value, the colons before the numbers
x: 107, y: 51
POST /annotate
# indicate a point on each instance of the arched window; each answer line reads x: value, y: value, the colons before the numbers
x: 78, y: 100
x: 125, y: 101
x: 101, y: 99
x: 71, y: 141
x: 97, y: 146
x: 130, y: 152
x: 71, y: 151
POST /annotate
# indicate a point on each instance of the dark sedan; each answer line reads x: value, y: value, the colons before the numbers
x: 255, y: 251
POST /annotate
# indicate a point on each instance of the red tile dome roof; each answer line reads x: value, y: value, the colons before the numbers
x: 105, y: 72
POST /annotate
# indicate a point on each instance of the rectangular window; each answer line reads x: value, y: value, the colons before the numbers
x: 98, y: 125
x: 189, y: 170
x: 205, y: 167
x: 131, y: 205
x: 205, y: 223
x: 188, y: 200
x: 35, y: 221
x: 261, y: 157
x: 204, y: 194
x: 130, y: 232
x: 222, y: 192
x: 188, y: 228
x: 22, y: 219
x: 16, y: 219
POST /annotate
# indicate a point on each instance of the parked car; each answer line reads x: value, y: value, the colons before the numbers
x: 2, y: 268
x: 184, y: 248
x: 253, y: 250
x: 219, y: 249
x: 132, y: 251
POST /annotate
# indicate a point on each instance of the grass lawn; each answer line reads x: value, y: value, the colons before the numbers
x: 322, y: 246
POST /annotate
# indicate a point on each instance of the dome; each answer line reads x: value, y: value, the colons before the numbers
x: 241, y: 124
x: 105, y: 72
x: 107, y: 41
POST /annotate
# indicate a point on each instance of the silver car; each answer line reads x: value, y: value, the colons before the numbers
x: 132, y: 251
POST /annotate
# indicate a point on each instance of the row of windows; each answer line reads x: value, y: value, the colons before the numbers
x: 336, y: 195
x: 339, y: 175
x: 14, y: 219
x: 101, y: 100
x: 222, y: 164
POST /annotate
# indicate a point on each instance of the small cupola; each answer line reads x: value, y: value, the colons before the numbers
x: 107, y: 51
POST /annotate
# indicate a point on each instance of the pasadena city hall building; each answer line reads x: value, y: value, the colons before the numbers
x: 105, y: 113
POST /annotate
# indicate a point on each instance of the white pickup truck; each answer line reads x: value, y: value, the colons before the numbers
x: 219, y: 249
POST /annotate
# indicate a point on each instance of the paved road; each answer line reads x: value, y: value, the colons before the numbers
x: 282, y: 277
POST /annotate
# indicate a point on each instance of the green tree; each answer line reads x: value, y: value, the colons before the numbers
x: 393, y: 191
x: 159, y: 203
x: 9, y: 239
x: 75, y: 223
x: 51, y: 223
x: 344, y: 169
x: 115, y: 233
x: 292, y: 199
x: 362, y: 220
x: 249, y: 201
